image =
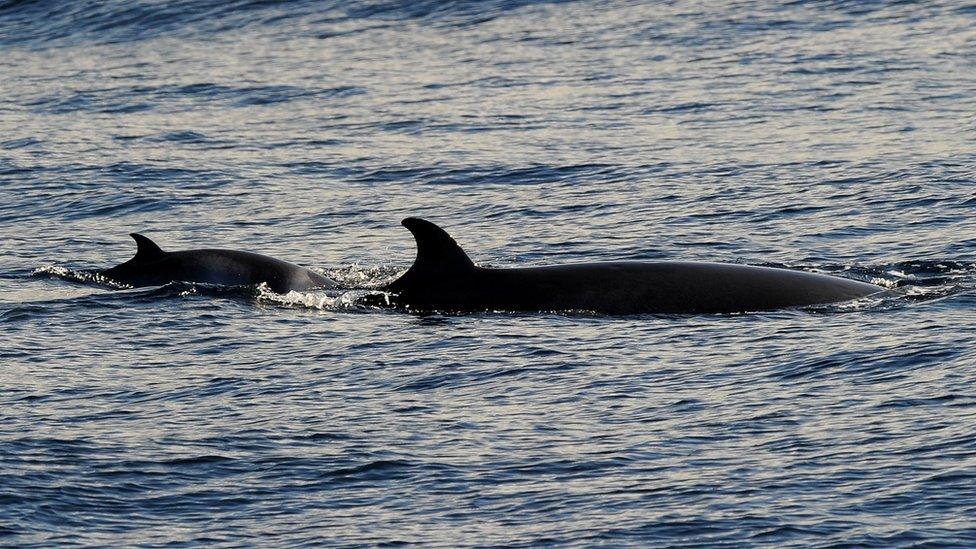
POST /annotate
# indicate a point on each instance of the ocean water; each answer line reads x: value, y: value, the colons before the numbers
x: 833, y: 136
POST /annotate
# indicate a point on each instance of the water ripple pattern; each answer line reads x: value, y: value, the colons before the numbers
x: 831, y: 136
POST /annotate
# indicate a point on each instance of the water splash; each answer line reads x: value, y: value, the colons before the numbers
x: 345, y: 300
x: 80, y: 276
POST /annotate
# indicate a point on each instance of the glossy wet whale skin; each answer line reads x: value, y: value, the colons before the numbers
x: 444, y: 278
x: 152, y: 266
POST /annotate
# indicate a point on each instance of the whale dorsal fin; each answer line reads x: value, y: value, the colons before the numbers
x: 436, y: 250
x: 146, y: 250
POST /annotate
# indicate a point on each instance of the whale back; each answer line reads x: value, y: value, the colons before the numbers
x: 152, y: 266
x: 443, y: 278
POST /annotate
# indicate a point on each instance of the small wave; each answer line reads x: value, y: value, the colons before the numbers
x: 382, y: 469
x: 921, y: 281
x: 22, y: 143
x: 877, y: 302
x: 79, y: 276
x: 350, y: 299
x: 137, y: 98
x: 172, y: 289
x: 192, y: 461
x: 930, y: 273
x: 365, y: 279
x: 901, y: 274
x: 117, y: 21
x: 20, y: 314
x: 358, y: 276
x: 908, y: 282
x: 363, y: 292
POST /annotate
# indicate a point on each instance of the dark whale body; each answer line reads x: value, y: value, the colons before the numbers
x: 443, y: 278
x: 151, y: 266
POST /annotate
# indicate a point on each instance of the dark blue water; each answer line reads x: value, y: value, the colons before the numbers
x: 828, y: 136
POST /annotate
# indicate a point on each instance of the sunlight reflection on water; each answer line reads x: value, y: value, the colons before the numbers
x: 829, y: 136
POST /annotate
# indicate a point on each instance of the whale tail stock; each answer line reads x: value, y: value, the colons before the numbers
x: 438, y: 254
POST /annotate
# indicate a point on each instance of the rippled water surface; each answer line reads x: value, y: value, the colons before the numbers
x: 826, y: 136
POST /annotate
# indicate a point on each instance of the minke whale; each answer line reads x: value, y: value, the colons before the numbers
x: 443, y: 278
x: 152, y: 266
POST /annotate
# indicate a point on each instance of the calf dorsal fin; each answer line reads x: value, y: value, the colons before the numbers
x: 146, y: 250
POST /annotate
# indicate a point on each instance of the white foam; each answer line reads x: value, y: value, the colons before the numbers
x: 321, y: 300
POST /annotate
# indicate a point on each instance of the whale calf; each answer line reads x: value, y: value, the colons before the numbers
x: 443, y: 278
x: 152, y: 266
